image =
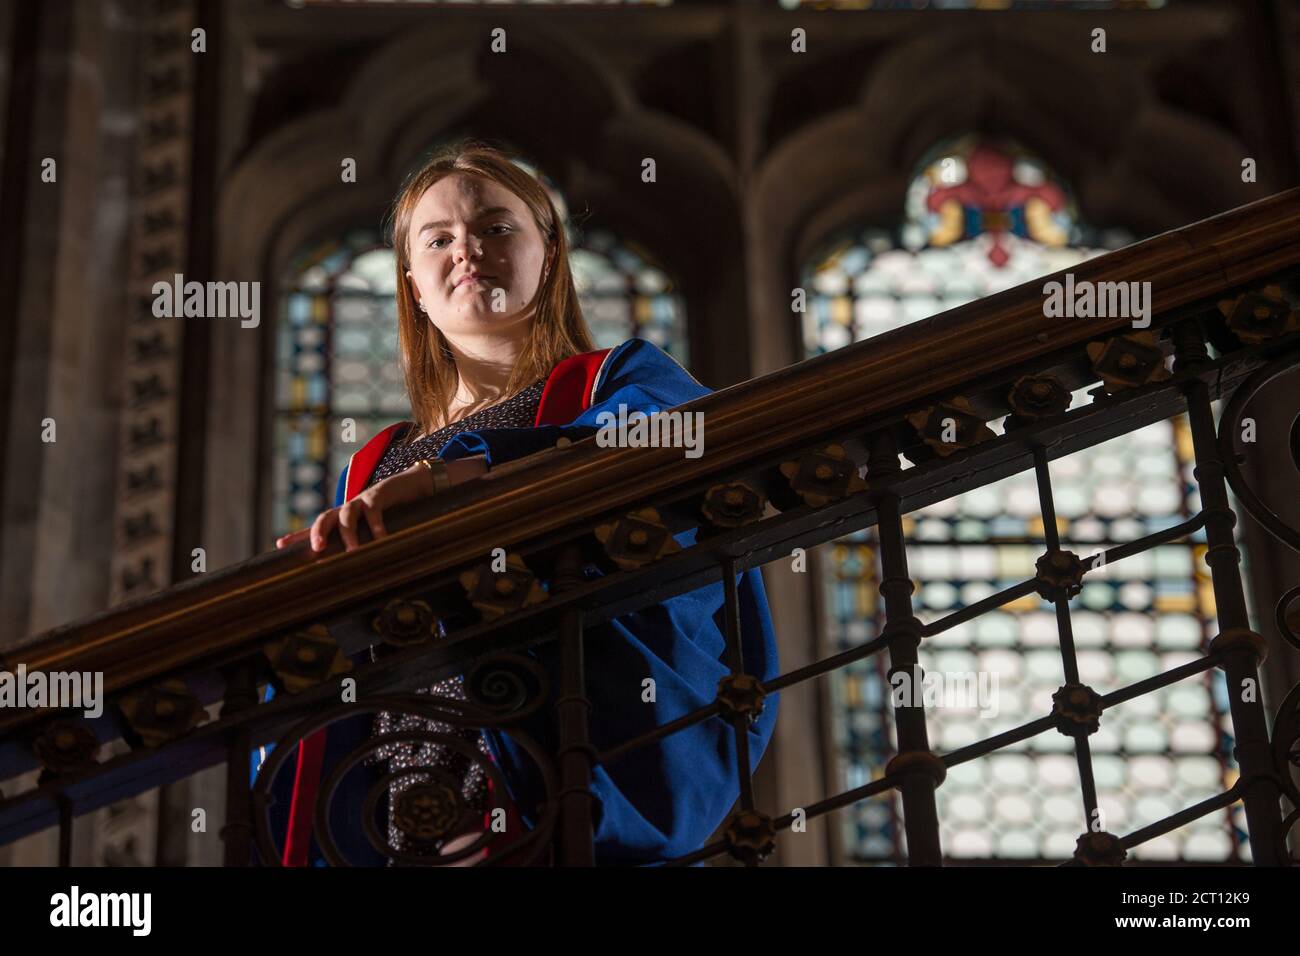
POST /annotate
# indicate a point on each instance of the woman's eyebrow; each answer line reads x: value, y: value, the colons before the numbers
x: 444, y: 223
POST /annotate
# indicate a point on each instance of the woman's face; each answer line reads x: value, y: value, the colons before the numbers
x: 476, y: 255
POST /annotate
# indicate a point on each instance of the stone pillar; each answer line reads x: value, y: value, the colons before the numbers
x: 89, y: 442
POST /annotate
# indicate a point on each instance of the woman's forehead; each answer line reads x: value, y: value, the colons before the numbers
x: 462, y: 193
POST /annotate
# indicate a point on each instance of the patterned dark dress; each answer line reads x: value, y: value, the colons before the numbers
x: 518, y: 411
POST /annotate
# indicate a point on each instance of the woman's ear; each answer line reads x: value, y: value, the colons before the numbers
x: 415, y: 292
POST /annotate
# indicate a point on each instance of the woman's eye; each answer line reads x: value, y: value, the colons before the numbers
x: 499, y: 229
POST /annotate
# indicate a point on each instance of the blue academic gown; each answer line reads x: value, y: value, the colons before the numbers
x: 656, y: 802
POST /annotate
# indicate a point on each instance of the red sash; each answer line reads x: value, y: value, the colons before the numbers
x: 568, y: 392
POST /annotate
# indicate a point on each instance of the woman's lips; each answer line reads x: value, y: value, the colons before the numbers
x: 468, y: 279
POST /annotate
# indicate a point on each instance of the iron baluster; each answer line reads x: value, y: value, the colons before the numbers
x: 1065, y: 632
x: 1242, y: 647
x: 903, y: 631
x: 576, y: 754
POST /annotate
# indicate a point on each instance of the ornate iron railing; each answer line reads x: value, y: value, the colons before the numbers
x: 784, y: 470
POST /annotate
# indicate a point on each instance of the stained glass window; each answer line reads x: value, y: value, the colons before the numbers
x: 980, y: 218
x: 624, y: 293
x: 626, y: 296
x: 337, y: 358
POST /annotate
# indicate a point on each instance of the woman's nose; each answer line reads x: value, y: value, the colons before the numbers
x: 467, y: 247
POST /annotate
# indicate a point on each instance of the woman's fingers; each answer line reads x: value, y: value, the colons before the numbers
x: 292, y: 537
x: 320, y: 528
x: 348, y: 524
x: 346, y: 518
x: 375, y: 518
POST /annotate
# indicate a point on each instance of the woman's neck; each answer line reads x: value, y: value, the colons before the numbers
x: 458, y: 410
x: 483, y: 366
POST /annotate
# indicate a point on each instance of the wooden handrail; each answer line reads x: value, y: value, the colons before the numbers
x: 748, y: 423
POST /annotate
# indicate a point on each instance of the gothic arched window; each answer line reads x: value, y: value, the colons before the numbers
x: 625, y: 295
x: 335, y: 359
x: 981, y: 218
x: 336, y: 347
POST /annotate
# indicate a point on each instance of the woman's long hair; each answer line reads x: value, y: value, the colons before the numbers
x: 558, y: 329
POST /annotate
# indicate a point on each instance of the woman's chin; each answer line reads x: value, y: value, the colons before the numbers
x: 475, y: 321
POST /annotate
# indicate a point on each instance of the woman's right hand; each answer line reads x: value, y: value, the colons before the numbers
x: 410, y: 485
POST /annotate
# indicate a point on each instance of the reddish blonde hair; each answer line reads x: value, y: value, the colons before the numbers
x: 558, y: 328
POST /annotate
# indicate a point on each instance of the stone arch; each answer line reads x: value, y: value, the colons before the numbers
x: 286, y: 188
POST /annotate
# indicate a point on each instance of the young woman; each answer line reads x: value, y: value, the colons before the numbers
x: 499, y: 364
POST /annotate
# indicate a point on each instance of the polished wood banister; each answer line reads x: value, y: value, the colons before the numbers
x: 746, y: 424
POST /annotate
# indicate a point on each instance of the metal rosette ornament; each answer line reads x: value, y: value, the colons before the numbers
x: 500, y: 692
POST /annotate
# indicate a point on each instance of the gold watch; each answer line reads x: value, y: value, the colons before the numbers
x: 438, y: 467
